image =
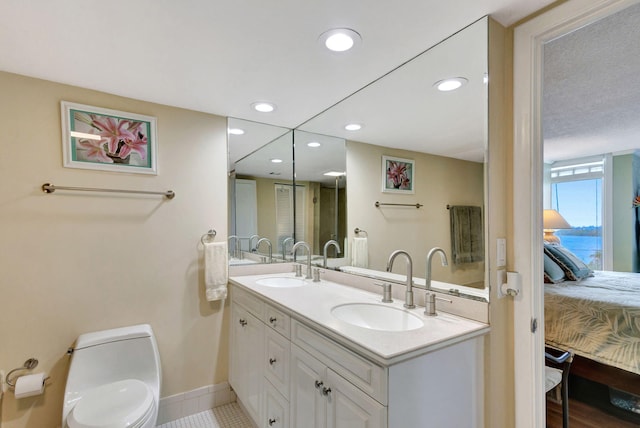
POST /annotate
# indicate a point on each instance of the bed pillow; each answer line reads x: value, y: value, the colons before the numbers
x: 553, y: 273
x: 574, y: 268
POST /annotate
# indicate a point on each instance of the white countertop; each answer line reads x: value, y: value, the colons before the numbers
x: 312, y: 304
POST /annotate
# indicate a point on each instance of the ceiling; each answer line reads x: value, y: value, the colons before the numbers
x: 591, y: 89
x: 219, y: 57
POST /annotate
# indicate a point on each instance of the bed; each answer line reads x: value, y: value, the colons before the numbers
x: 597, y: 316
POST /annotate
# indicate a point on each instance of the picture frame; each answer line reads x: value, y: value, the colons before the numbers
x: 398, y: 175
x: 108, y: 140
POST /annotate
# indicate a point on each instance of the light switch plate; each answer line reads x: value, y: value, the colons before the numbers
x: 501, y: 252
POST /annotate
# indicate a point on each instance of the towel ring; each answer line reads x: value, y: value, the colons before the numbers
x: 211, y: 234
x: 358, y: 231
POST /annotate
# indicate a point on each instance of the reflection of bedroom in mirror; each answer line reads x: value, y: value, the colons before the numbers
x: 592, y: 179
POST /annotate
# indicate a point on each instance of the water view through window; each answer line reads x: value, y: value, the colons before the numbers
x: 580, y: 203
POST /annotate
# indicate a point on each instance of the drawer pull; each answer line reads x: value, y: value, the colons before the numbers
x: 272, y: 361
x: 273, y: 320
x: 272, y: 421
x: 242, y: 322
x: 318, y: 384
x: 326, y: 391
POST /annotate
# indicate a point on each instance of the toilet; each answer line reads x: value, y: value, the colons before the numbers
x: 114, y: 380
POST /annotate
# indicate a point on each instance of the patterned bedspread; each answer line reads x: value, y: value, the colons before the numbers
x: 598, y: 318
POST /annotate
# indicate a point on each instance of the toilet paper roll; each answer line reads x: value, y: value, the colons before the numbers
x: 30, y: 385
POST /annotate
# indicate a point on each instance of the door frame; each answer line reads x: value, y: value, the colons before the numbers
x: 529, y: 39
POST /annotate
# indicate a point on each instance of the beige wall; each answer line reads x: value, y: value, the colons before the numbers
x: 499, y: 376
x: 77, y: 262
x: 438, y: 181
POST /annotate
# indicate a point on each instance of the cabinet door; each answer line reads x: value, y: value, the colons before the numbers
x: 308, y: 405
x: 246, y: 353
x: 276, y: 409
x: 348, y: 407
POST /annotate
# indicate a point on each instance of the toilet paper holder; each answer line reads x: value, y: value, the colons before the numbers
x: 30, y: 364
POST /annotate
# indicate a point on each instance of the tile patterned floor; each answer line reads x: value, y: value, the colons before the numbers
x: 226, y: 416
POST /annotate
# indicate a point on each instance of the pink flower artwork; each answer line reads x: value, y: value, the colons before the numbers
x: 398, y: 175
x: 109, y: 139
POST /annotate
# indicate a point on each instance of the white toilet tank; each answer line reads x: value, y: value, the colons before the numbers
x: 104, y: 357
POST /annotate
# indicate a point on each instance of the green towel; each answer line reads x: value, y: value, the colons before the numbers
x: 467, y: 234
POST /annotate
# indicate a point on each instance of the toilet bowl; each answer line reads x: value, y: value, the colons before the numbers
x: 114, y: 380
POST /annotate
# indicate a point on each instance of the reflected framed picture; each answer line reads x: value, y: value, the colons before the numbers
x: 108, y: 140
x: 397, y: 175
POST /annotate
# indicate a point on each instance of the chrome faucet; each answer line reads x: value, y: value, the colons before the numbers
x: 443, y: 260
x: 234, y: 253
x: 251, y: 247
x: 408, y: 300
x: 306, y: 246
x: 284, y: 247
x: 326, y: 247
x: 260, y: 241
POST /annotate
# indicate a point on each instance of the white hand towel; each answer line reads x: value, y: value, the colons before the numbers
x: 216, y: 270
x: 360, y: 253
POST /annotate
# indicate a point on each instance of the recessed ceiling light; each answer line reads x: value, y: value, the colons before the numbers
x: 276, y: 160
x: 335, y: 173
x: 235, y: 131
x: 314, y: 144
x: 353, y: 127
x: 340, y: 39
x: 450, y: 84
x: 263, y: 106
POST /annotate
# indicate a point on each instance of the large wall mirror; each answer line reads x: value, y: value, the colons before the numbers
x: 260, y: 190
x: 443, y: 134
x: 440, y: 136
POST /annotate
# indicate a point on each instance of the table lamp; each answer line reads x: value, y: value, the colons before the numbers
x: 552, y: 221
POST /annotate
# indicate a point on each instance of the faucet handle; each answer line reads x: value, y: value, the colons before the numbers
x: 386, y: 291
x: 430, y: 303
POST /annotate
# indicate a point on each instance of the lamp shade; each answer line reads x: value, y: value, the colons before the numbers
x: 553, y: 220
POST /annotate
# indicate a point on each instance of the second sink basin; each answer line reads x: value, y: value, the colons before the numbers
x: 281, y: 282
x: 377, y: 317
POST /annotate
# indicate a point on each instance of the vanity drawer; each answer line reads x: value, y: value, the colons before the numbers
x: 278, y: 320
x: 248, y: 301
x: 369, y: 377
x: 276, y: 361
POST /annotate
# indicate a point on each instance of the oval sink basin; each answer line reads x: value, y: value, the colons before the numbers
x: 377, y: 317
x: 281, y: 282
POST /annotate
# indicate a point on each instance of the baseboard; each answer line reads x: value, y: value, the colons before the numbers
x: 194, y: 401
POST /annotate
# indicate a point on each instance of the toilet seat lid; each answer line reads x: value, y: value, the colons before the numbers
x: 114, y: 405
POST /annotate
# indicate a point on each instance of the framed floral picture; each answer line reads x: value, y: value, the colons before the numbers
x: 397, y: 175
x: 108, y: 140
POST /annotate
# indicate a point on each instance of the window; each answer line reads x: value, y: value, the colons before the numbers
x: 576, y: 193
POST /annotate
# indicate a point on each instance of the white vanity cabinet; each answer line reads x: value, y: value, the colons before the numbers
x: 289, y: 372
x: 259, y: 359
